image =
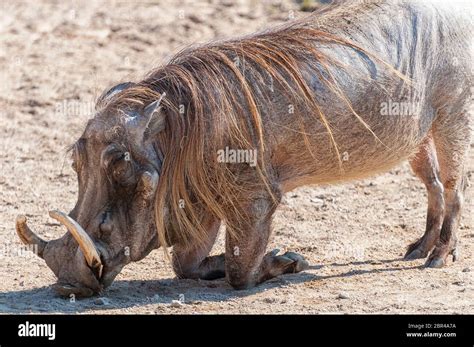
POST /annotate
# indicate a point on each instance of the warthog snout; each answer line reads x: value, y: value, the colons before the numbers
x: 88, y: 275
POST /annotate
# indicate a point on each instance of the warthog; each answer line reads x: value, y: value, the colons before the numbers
x: 317, y: 100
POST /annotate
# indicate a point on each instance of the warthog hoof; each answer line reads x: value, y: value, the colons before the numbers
x: 436, y: 262
x: 300, y: 264
x: 291, y: 262
x: 415, y: 254
x: 438, y: 257
x: 416, y: 251
x: 455, y: 254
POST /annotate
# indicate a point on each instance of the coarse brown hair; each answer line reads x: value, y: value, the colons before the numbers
x: 216, y: 94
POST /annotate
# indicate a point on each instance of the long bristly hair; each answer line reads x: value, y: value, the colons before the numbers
x: 216, y: 95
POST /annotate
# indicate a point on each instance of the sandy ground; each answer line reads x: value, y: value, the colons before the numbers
x: 56, y: 58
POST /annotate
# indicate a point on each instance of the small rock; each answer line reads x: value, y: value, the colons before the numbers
x: 195, y: 302
x: 195, y: 19
x: 269, y: 300
x: 227, y: 3
x: 156, y: 298
x: 342, y: 296
x: 176, y: 304
x: 458, y: 283
x: 317, y: 201
x: 466, y: 269
x: 299, y: 217
x: 102, y: 302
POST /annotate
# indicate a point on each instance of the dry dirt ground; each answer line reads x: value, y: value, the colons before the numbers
x: 57, y: 57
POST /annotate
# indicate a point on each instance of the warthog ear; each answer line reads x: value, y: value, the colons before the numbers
x: 150, y: 121
x: 154, y: 119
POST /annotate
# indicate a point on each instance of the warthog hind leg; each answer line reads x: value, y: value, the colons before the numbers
x: 452, y: 142
x: 425, y: 166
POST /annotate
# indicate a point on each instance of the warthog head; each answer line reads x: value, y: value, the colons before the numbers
x: 112, y: 222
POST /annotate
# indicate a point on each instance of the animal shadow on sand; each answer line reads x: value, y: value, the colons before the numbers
x: 132, y: 293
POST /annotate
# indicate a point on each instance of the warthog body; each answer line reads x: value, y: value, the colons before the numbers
x: 342, y: 94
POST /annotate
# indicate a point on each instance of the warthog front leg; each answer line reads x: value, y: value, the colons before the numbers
x: 425, y: 166
x: 246, y: 262
x: 194, y: 262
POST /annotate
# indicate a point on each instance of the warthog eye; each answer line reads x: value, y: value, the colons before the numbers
x: 122, y: 169
x: 119, y: 165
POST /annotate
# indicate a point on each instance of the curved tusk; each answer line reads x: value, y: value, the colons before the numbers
x: 28, y: 237
x: 85, y: 242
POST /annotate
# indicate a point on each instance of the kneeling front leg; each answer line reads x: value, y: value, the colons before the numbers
x: 246, y: 262
x: 192, y: 261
